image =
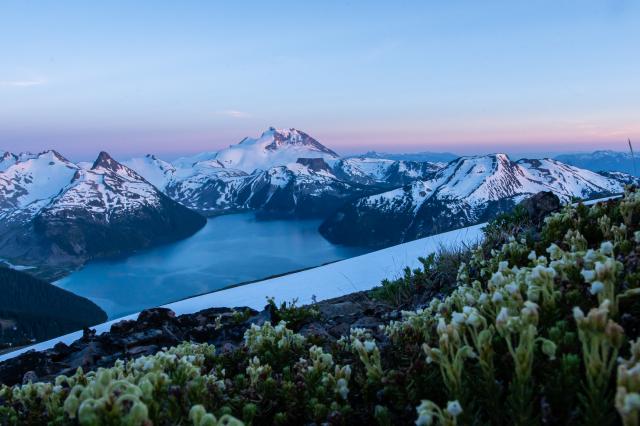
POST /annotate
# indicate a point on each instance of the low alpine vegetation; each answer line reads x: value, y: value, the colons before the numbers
x: 541, y: 328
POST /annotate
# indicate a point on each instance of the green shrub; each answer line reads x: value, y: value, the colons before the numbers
x: 293, y: 315
x: 437, y: 275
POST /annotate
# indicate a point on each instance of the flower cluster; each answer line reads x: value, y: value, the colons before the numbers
x: 199, y: 416
x: 127, y: 393
x: 362, y: 344
x: 430, y: 414
x: 258, y: 338
x: 628, y: 387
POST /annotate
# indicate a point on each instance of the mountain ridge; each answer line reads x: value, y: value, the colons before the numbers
x: 55, y: 218
x: 281, y: 173
x: 467, y: 191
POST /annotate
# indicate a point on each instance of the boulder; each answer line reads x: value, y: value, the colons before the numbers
x: 541, y: 204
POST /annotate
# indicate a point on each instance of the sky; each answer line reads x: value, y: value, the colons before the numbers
x: 175, y: 78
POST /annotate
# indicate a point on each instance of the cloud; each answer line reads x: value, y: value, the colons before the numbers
x: 23, y: 83
x: 234, y: 113
x: 381, y: 50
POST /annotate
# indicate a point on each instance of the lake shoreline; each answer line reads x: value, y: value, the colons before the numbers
x: 230, y: 251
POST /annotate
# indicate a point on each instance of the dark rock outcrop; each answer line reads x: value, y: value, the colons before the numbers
x: 540, y: 205
x: 315, y: 164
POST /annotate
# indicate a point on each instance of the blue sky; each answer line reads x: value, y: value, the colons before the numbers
x: 179, y: 77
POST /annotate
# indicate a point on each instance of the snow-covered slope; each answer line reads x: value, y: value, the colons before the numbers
x: 420, y: 157
x: 381, y: 171
x: 54, y: 212
x: 27, y: 186
x: 567, y: 180
x: 275, y: 147
x: 265, y: 174
x: 321, y: 283
x: 107, y: 190
x: 466, y: 191
x: 8, y: 159
x: 363, y: 170
x: 622, y: 177
x: 284, y: 171
x: 281, y: 172
x: 154, y: 170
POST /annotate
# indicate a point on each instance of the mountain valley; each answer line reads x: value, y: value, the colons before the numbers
x: 56, y: 215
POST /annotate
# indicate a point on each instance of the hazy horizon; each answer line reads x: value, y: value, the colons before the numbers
x: 173, y: 79
x: 171, y: 156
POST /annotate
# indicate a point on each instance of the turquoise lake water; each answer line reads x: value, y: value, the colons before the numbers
x: 228, y: 250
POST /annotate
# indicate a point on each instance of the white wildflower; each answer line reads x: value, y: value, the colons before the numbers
x: 343, y: 389
x: 606, y: 248
x: 503, y: 317
x: 512, y: 288
x: 454, y: 408
x: 458, y: 318
x: 588, y: 275
x: 597, y: 287
x: 578, y: 315
x: 369, y: 346
x: 631, y: 402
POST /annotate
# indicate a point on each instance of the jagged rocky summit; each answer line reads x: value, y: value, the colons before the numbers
x: 58, y: 214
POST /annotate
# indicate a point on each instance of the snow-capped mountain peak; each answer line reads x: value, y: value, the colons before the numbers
x: 34, y: 180
x: 275, y: 147
x: 156, y: 171
x: 105, y: 161
x: 106, y: 164
x: 293, y: 137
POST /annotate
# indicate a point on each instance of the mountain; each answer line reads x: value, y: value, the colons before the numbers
x: 32, y: 309
x: 8, y: 159
x: 467, y: 191
x: 606, y: 160
x: 54, y: 213
x: 380, y: 171
x: 282, y: 172
x: 154, y: 170
x: 305, y: 188
x: 275, y: 147
x: 432, y: 157
x: 625, y: 178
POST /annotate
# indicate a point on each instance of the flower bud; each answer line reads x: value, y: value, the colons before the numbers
x: 597, y: 287
x: 549, y: 349
x: 71, y: 406
x: 454, y: 408
x: 615, y: 334
x: 139, y: 413
x: 196, y: 414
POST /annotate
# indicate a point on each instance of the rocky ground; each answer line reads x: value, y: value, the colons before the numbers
x: 160, y: 327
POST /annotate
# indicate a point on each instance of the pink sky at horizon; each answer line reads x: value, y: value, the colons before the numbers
x: 173, y: 144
